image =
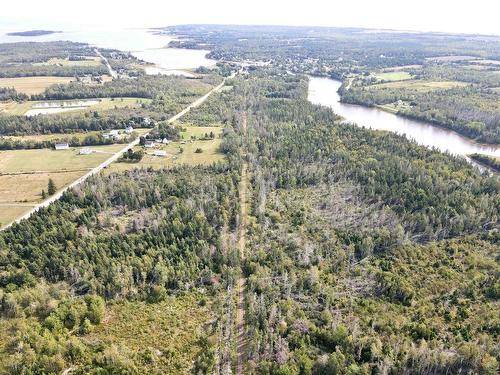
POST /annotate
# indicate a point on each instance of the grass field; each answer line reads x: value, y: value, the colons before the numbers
x: 50, y: 137
x: 24, y: 173
x: 14, y: 108
x: 33, y: 85
x: 188, y: 156
x: 46, y: 160
x: 393, y: 76
x: 419, y: 85
x: 160, y: 337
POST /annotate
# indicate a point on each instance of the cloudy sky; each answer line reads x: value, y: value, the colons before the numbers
x: 465, y: 16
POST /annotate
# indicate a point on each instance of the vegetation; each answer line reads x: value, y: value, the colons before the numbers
x: 428, y: 72
x: 361, y: 252
x: 490, y: 161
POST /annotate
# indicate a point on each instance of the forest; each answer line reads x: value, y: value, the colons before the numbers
x: 355, y: 56
x: 353, y: 239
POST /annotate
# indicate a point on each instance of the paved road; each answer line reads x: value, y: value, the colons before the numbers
x: 112, y: 159
x: 112, y: 73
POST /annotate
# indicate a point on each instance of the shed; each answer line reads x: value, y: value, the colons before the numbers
x: 160, y: 153
x: 85, y: 151
x: 61, y: 146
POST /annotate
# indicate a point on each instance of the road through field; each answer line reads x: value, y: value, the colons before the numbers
x: 113, y: 158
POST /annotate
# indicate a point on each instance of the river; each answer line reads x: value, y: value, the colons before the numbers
x: 324, y: 91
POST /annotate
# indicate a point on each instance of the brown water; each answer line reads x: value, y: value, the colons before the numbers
x: 324, y: 91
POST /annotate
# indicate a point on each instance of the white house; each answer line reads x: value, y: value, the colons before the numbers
x: 113, y: 133
x: 61, y: 146
x: 159, y: 140
x: 160, y: 153
x: 85, y: 151
x: 149, y: 144
x: 129, y: 129
x: 165, y: 141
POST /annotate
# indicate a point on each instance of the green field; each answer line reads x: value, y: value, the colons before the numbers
x: 393, y: 76
x: 50, y: 137
x: 14, y: 161
x: 33, y: 85
x: 24, y: 173
x: 15, y: 108
x: 419, y: 85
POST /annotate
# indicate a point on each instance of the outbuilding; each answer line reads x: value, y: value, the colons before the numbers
x: 85, y: 151
x: 149, y: 144
x: 61, y: 146
x: 160, y: 153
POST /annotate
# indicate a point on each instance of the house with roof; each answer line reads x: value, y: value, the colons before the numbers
x: 85, y: 151
x: 149, y: 144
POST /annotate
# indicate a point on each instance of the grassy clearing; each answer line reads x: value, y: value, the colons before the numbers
x: 419, y: 85
x: 26, y: 188
x: 161, y: 337
x: 46, y: 160
x: 402, y: 67
x: 50, y: 137
x: 24, y: 173
x: 393, y: 76
x: 19, y: 193
x: 33, y: 85
x: 14, y: 108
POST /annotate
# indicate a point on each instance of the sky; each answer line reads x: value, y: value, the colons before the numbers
x: 461, y: 16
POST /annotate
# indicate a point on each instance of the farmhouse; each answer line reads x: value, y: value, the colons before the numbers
x: 129, y: 129
x: 160, y: 153
x: 165, y: 141
x: 85, y: 151
x: 149, y: 144
x: 61, y: 146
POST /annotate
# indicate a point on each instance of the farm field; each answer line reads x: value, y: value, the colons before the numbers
x: 28, y: 161
x: 25, y: 108
x: 419, y: 85
x: 54, y: 136
x: 33, y: 85
x: 393, y: 76
x: 25, y: 173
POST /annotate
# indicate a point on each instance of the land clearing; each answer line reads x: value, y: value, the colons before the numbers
x: 161, y: 337
x: 33, y: 85
x: 419, y: 85
x: 25, y: 173
x: 393, y: 76
x: 47, y: 107
x: 54, y: 136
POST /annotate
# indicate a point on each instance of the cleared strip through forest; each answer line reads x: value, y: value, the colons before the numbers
x: 240, y: 325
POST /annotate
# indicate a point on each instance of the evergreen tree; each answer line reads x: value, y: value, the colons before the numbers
x: 51, y: 187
